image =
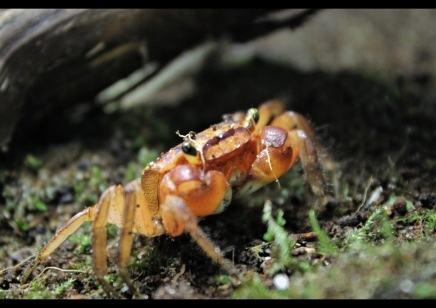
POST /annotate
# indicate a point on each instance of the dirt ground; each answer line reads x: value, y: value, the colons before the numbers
x: 377, y: 221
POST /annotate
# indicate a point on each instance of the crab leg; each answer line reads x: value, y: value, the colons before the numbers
x: 267, y: 111
x: 117, y: 205
x: 108, y: 210
x: 278, y: 151
x: 70, y: 227
x: 309, y: 161
x: 178, y: 217
x: 99, y: 237
x: 290, y: 120
x: 132, y: 201
x: 293, y: 120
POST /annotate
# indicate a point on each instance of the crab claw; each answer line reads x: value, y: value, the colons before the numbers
x: 203, y: 193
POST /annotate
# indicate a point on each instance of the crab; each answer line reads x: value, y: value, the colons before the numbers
x: 198, y: 177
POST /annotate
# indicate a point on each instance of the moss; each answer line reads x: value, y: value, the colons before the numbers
x: 33, y: 162
x: 64, y: 286
x: 254, y: 289
x: 326, y: 246
x: 282, y: 243
x: 383, y: 253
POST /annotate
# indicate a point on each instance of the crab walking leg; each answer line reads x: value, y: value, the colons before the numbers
x: 290, y: 120
x: 117, y: 206
x: 69, y: 228
x: 212, y: 250
x: 279, y: 150
x: 126, y: 236
x: 309, y: 161
x: 99, y: 234
x: 267, y: 111
x: 178, y: 217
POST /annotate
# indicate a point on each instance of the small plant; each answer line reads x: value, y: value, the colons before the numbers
x: 377, y: 225
x: 426, y: 217
x: 62, y: 287
x: 22, y: 224
x: 132, y: 172
x: 39, y: 205
x: 429, y: 221
x: 33, y: 162
x: 326, y: 245
x: 83, y: 240
x: 97, y: 179
x: 114, y: 279
x: 282, y: 244
x: 254, y: 289
x: 146, y: 155
x: 222, y: 279
x: 37, y: 290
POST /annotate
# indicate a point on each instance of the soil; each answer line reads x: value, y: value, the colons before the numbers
x: 379, y: 216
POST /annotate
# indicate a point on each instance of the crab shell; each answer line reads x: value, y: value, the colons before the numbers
x: 224, y: 155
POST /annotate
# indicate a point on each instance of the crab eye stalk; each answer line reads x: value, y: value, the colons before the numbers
x: 189, y: 149
x: 254, y: 114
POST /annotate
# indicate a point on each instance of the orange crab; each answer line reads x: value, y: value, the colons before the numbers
x: 197, y: 178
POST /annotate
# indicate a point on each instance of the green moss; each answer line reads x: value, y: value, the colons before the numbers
x: 64, y: 286
x: 37, y: 290
x: 282, y: 243
x: 114, y: 279
x: 40, y: 206
x: 326, y: 246
x: 33, y: 162
x: 222, y: 279
x: 425, y: 290
x: 378, y: 224
x: 144, y: 260
x: 425, y: 217
x: 254, y: 289
x: 84, y: 238
x: 97, y: 179
x: 22, y: 224
x: 2, y: 177
x: 132, y: 172
x: 146, y: 155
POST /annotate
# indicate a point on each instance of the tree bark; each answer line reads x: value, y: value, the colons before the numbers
x: 52, y: 58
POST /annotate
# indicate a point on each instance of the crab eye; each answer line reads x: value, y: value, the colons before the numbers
x: 254, y: 114
x: 189, y: 149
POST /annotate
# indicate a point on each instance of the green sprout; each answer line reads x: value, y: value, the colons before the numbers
x: 62, y: 287
x: 378, y: 224
x: 222, y: 279
x: 146, y: 155
x: 84, y: 240
x: 33, y: 162
x: 326, y: 245
x: 276, y: 232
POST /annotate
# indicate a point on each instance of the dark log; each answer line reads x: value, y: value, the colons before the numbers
x: 52, y: 58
